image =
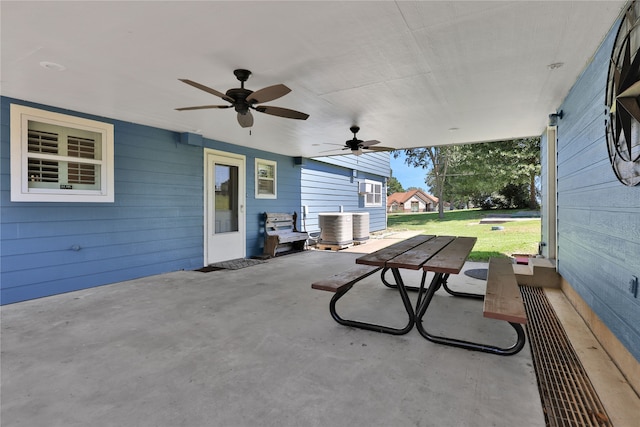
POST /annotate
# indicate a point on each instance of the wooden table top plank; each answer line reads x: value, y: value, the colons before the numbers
x: 381, y: 256
x: 414, y: 258
x: 452, y: 257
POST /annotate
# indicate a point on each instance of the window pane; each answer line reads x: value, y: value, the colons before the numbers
x: 43, y: 142
x: 265, y: 171
x: 265, y: 186
x: 81, y: 147
x: 41, y: 171
x: 80, y: 173
x: 226, y: 198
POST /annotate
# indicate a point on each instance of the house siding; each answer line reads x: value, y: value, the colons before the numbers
x: 598, y: 242
x: 375, y: 163
x: 328, y: 184
x: 154, y: 226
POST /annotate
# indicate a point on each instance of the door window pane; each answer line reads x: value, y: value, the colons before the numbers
x: 226, y: 198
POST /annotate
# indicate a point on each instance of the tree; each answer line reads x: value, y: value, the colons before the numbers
x: 504, y: 167
x: 435, y: 161
x: 476, y: 171
x: 393, y: 185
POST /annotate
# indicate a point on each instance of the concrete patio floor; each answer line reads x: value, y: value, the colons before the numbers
x: 256, y: 347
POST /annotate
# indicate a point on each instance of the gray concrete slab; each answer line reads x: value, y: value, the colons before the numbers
x: 255, y: 347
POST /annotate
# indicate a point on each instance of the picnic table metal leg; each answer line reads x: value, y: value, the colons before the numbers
x: 393, y: 285
x: 374, y: 327
x: 460, y: 294
x: 421, y: 309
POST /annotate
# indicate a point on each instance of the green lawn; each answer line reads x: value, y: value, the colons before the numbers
x: 517, y: 237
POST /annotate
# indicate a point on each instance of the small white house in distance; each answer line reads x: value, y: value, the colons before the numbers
x: 412, y: 201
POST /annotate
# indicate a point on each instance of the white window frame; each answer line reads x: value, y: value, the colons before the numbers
x: 372, y: 192
x: 264, y: 165
x: 20, y: 191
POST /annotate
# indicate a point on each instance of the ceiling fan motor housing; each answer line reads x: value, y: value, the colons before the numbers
x: 354, y: 144
x: 240, y: 98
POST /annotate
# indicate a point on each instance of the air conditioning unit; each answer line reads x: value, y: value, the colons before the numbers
x: 364, y: 188
x: 360, y: 226
x: 336, y: 228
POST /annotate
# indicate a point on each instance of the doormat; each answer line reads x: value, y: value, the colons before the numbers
x: 208, y: 269
x: 477, y: 273
x: 234, y: 264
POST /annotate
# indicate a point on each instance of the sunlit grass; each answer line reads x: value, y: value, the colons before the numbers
x: 517, y: 237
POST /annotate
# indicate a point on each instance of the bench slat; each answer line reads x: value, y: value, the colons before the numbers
x: 292, y: 237
x: 282, y: 232
x: 503, y: 300
x: 271, y: 216
x: 347, y: 278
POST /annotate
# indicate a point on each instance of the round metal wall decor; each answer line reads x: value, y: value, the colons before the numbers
x: 622, y: 98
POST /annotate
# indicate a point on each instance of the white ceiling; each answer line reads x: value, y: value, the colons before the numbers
x: 407, y: 72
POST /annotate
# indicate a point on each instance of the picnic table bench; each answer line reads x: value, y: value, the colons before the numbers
x: 502, y: 301
x: 341, y: 283
x: 281, y: 233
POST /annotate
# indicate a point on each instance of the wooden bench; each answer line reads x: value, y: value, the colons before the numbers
x: 281, y: 233
x: 502, y: 299
x: 340, y: 284
x: 345, y: 280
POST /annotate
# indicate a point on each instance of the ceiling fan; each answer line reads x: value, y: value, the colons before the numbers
x: 243, y: 100
x: 357, y: 145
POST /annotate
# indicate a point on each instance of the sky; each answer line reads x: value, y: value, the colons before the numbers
x: 407, y: 175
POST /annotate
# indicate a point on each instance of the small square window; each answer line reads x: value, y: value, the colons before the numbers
x: 266, y: 179
x: 60, y: 158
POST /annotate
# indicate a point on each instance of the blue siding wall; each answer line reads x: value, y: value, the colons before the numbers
x: 155, y: 224
x: 598, y: 217
x: 328, y: 186
x: 373, y: 163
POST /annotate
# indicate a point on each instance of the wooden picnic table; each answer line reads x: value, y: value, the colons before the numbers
x: 440, y: 255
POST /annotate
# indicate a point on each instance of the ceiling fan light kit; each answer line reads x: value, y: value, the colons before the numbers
x: 244, y: 100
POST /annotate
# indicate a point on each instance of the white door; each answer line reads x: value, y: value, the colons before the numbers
x: 224, y: 206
